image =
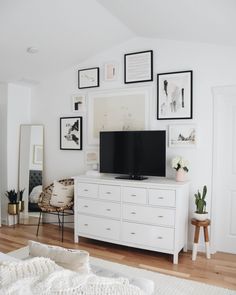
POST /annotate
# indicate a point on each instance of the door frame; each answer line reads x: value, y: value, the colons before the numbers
x: 217, y: 93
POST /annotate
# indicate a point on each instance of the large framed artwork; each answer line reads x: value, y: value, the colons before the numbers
x: 117, y: 110
x: 71, y: 133
x: 182, y: 135
x: 138, y: 67
x: 88, y: 78
x: 174, y: 95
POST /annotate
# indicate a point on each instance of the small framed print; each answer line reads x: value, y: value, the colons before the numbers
x: 182, y: 135
x: 38, y: 155
x: 71, y: 133
x: 111, y: 71
x: 174, y: 95
x: 138, y: 67
x: 88, y: 78
x: 78, y: 102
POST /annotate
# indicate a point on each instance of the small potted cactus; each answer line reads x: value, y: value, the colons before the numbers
x: 200, y: 202
x: 13, y: 205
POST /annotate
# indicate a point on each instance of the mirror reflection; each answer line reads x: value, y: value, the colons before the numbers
x: 31, y: 170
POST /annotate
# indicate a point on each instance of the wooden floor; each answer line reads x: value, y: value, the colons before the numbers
x: 220, y: 270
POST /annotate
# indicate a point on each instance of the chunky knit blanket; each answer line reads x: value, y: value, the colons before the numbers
x: 42, y: 276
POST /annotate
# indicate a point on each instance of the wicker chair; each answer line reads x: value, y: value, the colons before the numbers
x: 47, y: 208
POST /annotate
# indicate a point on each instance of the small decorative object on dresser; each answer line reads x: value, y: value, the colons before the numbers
x: 181, y: 167
x: 200, y: 202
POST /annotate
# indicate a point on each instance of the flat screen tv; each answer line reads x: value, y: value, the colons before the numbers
x: 133, y: 154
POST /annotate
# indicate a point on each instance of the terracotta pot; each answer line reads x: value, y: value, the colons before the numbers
x: 13, y: 209
x: 181, y: 175
x: 200, y: 216
x: 21, y: 206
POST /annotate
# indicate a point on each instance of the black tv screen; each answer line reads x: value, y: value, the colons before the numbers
x: 134, y: 153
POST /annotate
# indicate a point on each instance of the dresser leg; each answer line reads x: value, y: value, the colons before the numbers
x: 175, y: 258
x: 76, y: 239
x: 185, y: 248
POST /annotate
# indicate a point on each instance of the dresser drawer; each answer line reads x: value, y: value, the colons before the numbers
x: 153, y: 236
x: 88, y: 190
x: 106, y: 209
x: 135, y: 195
x: 159, y: 216
x: 99, y: 227
x: 109, y: 192
x: 161, y: 197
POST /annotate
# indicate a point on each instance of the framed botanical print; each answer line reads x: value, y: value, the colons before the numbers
x: 71, y: 133
x: 174, y: 95
x: 88, y: 78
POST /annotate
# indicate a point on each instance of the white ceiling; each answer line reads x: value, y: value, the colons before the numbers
x: 65, y: 31
x: 69, y: 31
x: 211, y: 21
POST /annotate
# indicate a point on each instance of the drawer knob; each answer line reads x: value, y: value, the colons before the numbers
x: 159, y: 238
x: 108, y: 193
x: 85, y: 190
x: 133, y: 213
x: 132, y: 233
x: 85, y: 206
x: 160, y: 198
x: 108, y: 209
x: 160, y: 216
x: 133, y: 195
x: 85, y: 224
x: 108, y: 228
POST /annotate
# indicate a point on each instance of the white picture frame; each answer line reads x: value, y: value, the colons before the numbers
x: 184, y: 136
x: 38, y: 155
x: 117, y: 110
x: 78, y: 103
x: 111, y: 71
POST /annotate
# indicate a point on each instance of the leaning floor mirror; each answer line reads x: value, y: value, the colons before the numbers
x: 30, y: 171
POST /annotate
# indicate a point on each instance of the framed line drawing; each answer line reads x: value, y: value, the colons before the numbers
x: 182, y: 135
x: 88, y: 78
x: 138, y: 67
x: 71, y: 133
x: 117, y: 110
x: 174, y: 95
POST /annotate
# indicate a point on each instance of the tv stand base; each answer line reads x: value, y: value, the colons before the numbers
x: 132, y: 177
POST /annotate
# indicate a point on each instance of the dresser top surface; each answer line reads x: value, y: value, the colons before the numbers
x: 110, y: 179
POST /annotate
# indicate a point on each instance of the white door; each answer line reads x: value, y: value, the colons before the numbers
x: 224, y: 169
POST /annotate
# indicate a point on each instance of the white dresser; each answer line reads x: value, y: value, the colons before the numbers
x: 150, y: 214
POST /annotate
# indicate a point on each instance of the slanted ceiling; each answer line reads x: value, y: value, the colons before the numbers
x: 65, y: 31
x: 68, y: 32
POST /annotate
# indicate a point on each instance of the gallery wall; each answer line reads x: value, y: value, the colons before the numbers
x: 211, y: 65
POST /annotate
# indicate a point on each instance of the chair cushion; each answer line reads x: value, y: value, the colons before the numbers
x: 62, y: 195
x: 35, y: 194
x: 73, y: 259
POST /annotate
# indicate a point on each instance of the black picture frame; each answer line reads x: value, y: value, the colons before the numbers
x: 138, y: 55
x: 71, y: 133
x: 175, y: 103
x: 89, y: 78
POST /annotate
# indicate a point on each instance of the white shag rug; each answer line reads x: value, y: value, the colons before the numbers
x: 164, y: 284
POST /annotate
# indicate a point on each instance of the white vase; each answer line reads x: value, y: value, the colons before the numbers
x: 200, y: 216
x: 181, y: 175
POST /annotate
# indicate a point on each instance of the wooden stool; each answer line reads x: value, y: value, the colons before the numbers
x: 198, y: 224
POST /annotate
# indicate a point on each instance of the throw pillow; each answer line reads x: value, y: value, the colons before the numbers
x: 62, y: 195
x: 76, y: 260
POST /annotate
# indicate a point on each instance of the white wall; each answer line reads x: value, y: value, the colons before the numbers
x: 212, y: 66
x: 15, y: 105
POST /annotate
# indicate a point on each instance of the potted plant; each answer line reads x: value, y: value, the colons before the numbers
x: 181, y: 167
x: 200, y: 202
x: 13, y: 205
x: 21, y: 202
